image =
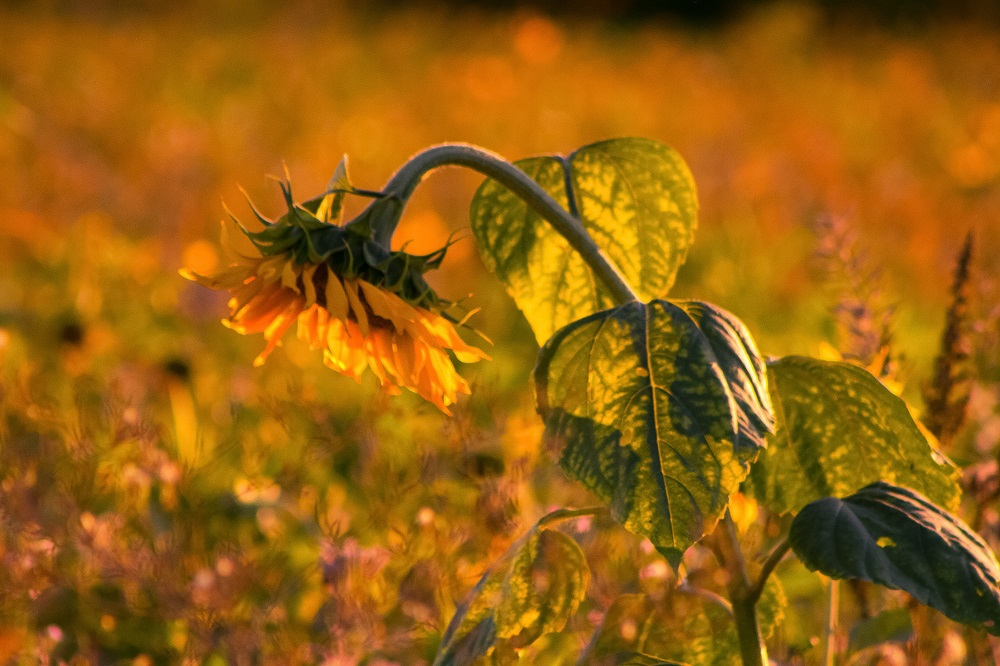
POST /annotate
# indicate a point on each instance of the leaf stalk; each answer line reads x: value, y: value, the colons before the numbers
x: 707, y: 595
x: 566, y: 514
x: 773, y: 559
x: 741, y: 593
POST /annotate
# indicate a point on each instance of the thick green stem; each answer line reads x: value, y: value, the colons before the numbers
x: 403, y: 182
x: 741, y: 594
x: 748, y: 630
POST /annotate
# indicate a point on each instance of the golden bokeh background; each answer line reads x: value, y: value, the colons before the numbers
x: 281, y: 511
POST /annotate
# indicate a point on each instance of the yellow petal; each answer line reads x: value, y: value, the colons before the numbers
x: 351, y: 289
x: 276, y: 330
x: 228, y: 278
x: 236, y: 245
x: 322, y: 323
x: 388, y: 306
x: 308, y: 330
x: 382, y: 341
x: 340, y: 354
x: 258, y: 313
x: 445, y: 335
x: 290, y: 276
x: 402, y: 348
x: 271, y: 267
x: 336, y: 297
x: 375, y: 358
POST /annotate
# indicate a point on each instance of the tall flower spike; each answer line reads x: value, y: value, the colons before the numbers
x: 366, y: 307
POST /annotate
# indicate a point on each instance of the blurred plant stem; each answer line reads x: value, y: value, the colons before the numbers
x: 832, y: 617
x: 402, y: 184
x: 743, y: 595
x: 566, y: 514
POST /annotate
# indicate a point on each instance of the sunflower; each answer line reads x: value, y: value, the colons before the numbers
x: 366, y: 307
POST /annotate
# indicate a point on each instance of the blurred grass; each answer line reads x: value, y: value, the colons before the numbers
x: 208, y: 508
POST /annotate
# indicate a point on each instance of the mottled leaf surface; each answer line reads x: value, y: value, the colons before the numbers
x: 638, y: 409
x: 532, y: 590
x: 896, y: 537
x: 682, y: 628
x: 839, y: 429
x: 637, y: 199
x: 744, y: 370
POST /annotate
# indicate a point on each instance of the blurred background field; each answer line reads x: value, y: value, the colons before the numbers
x: 163, y: 500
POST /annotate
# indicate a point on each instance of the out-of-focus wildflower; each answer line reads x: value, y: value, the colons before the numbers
x: 362, y: 304
x: 743, y: 510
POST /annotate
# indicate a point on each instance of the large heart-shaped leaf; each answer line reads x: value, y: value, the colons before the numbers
x: 637, y: 199
x: 679, y: 629
x: 639, y: 409
x: 532, y: 590
x: 840, y: 429
x: 896, y: 537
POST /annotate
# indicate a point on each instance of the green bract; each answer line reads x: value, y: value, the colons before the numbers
x: 311, y: 233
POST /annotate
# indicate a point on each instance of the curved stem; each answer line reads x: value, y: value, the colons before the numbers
x: 707, y: 595
x: 403, y: 182
x: 770, y: 563
x: 566, y: 514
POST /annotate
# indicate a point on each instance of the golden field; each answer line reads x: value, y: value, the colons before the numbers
x: 163, y: 501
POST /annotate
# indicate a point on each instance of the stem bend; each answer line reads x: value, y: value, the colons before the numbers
x: 404, y: 182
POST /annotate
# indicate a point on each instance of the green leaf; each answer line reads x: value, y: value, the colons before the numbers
x: 840, y: 429
x: 896, y: 537
x: 680, y: 629
x: 532, y: 590
x: 743, y: 368
x: 639, y: 410
x: 637, y: 199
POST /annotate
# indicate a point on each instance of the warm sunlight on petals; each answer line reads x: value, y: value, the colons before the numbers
x: 358, y: 325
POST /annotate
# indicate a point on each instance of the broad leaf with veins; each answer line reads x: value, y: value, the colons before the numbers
x: 896, y: 537
x: 840, y: 429
x: 639, y: 409
x: 532, y: 590
x: 635, y: 197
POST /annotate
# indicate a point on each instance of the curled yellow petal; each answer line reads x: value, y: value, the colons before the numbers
x: 336, y: 297
x: 360, y: 326
x: 351, y: 288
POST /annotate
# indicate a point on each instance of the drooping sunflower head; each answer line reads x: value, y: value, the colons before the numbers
x: 365, y: 306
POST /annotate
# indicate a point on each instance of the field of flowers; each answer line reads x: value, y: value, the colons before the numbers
x: 162, y: 500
